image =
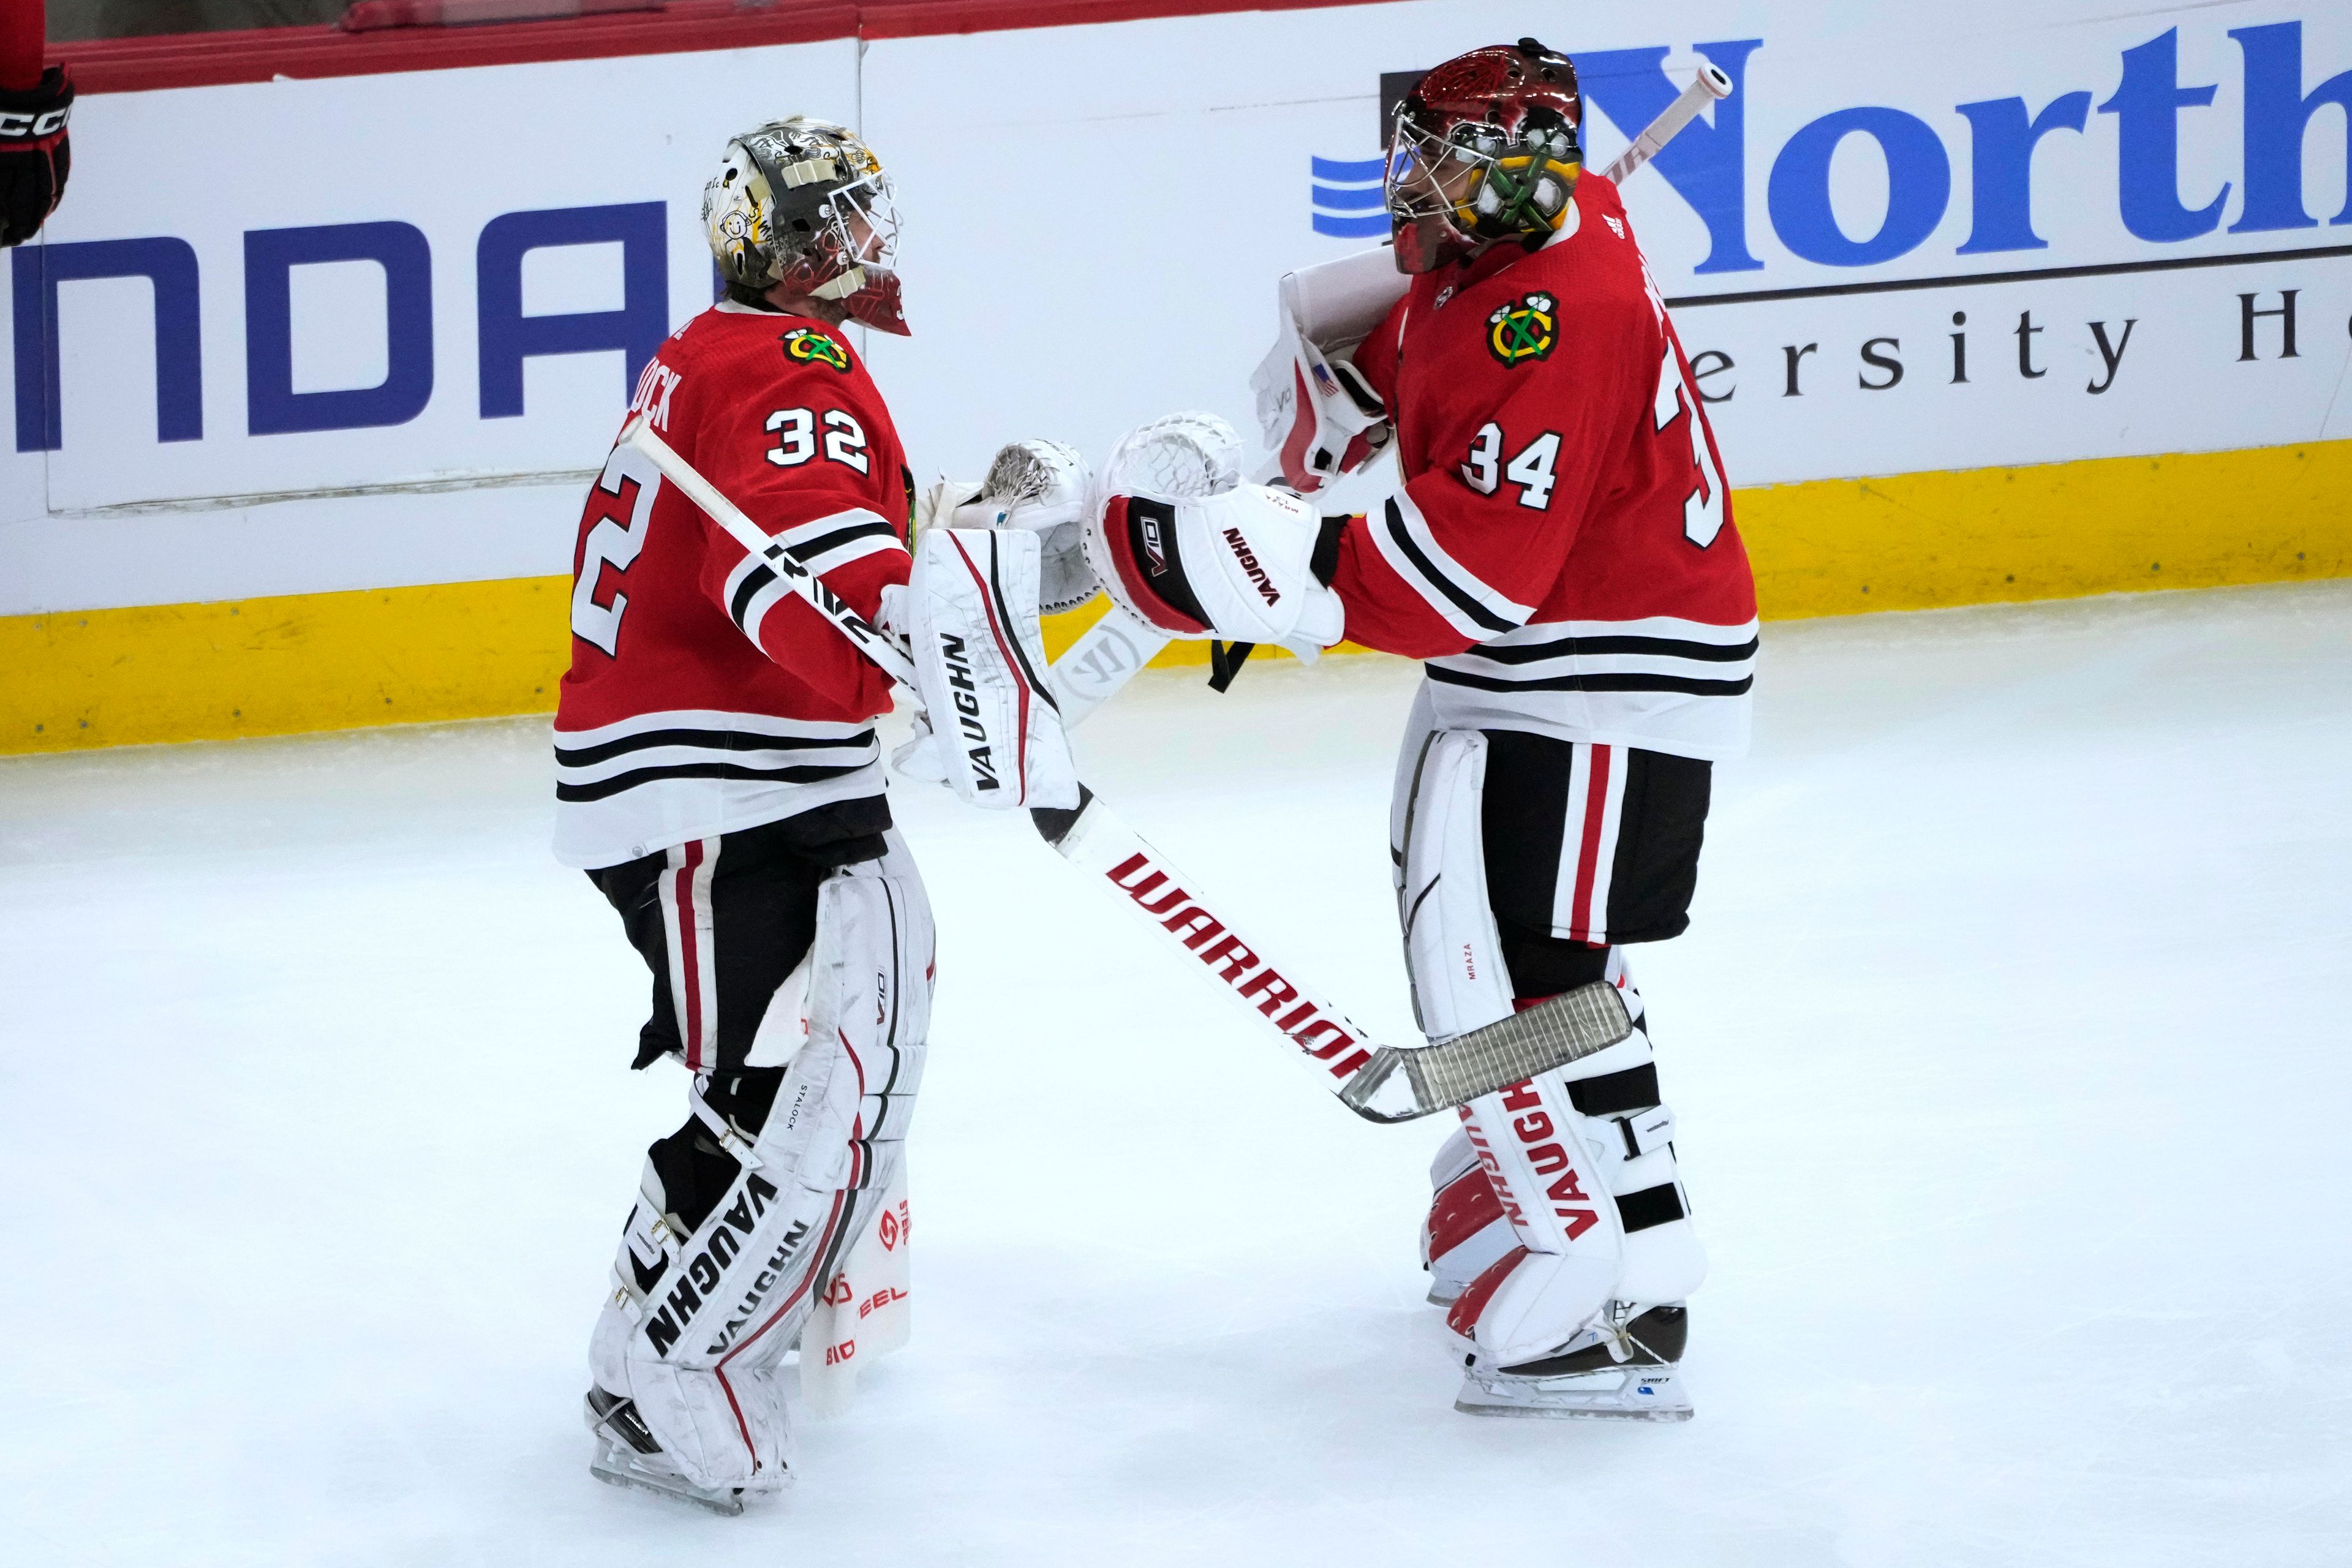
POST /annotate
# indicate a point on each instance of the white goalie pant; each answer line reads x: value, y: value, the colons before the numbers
x: 1558, y: 1204
x: 700, y: 1322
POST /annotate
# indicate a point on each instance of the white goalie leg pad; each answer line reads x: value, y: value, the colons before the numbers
x: 980, y: 668
x: 1453, y: 958
x: 701, y: 1318
x: 1452, y: 950
x: 1582, y: 1162
x: 865, y: 1313
x: 1664, y: 1260
x: 1569, y: 1211
x: 1562, y: 1273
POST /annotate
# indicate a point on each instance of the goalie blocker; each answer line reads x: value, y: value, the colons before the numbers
x: 992, y: 729
x: 1250, y: 564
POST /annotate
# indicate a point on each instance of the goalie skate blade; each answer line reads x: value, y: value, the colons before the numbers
x: 1611, y: 1394
x: 614, y: 1470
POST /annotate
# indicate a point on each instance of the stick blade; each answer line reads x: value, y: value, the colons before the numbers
x: 1399, y: 1085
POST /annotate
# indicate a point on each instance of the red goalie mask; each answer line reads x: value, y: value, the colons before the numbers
x: 1485, y: 148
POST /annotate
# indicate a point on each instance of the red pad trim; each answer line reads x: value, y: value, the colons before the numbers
x: 1461, y: 1210
x: 1464, y: 1317
x: 1020, y: 742
x: 808, y: 1277
x: 1302, y: 431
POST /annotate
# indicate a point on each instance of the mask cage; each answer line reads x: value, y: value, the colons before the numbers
x: 1486, y: 183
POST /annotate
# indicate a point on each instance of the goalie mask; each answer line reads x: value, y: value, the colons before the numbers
x: 805, y: 203
x: 1484, y: 148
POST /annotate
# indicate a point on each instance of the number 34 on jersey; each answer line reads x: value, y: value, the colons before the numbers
x: 1532, y: 471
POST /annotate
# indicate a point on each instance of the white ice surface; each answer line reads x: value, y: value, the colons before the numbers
x: 2011, y: 1047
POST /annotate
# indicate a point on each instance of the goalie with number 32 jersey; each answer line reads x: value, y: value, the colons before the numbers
x: 703, y: 696
x: 719, y: 778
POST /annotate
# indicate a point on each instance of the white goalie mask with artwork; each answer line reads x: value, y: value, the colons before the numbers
x: 805, y: 203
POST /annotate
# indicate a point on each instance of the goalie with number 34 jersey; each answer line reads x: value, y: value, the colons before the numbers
x: 1560, y: 552
x: 1562, y: 547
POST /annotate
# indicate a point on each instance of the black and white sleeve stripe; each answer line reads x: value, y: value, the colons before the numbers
x: 753, y: 588
x: 841, y: 538
x: 1469, y: 606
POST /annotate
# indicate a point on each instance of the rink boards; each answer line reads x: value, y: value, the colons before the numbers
x: 309, y: 372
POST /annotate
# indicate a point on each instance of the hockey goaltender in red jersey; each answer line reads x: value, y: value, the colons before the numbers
x: 1560, y: 552
x: 720, y: 780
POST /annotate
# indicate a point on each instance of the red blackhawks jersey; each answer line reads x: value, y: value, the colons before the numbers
x: 703, y: 697
x: 1561, y: 551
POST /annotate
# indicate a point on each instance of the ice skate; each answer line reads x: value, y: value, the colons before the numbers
x: 627, y: 1456
x: 1628, y: 1372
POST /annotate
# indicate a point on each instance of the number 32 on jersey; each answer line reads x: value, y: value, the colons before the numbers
x: 622, y: 503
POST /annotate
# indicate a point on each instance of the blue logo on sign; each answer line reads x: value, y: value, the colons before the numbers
x: 1348, y: 203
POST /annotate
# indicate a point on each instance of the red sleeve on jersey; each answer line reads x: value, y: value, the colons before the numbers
x: 1507, y: 462
x: 811, y: 457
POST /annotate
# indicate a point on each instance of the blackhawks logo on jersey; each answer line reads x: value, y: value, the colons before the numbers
x: 1523, y: 330
x: 806, y: 345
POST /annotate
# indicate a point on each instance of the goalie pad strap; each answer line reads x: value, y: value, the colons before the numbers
x: 1652, y: 1130
x: 1650, y: 1208
x: 1615, y: 1093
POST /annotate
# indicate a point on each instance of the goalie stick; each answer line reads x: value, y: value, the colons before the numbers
x: 1380, y: 1083
x: 1709, y: 86
x: 1108, y: 654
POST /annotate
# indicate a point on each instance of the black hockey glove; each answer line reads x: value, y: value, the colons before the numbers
x: 33, y: 153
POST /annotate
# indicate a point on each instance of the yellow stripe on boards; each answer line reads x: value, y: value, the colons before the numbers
x: 1826, y: 547
x: 282, y: 666
x: 2055, y: 531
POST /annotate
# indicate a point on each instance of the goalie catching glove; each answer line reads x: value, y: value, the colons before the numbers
x: 1040, y: 487
x: 1045, y: 488
x: 1246, y: 565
